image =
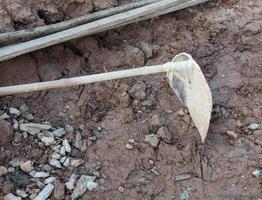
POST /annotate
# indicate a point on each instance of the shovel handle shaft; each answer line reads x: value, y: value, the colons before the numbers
x: 69, y: 82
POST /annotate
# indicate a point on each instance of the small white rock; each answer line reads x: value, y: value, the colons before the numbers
x: 76, y: 162
x: 69, y: 128
x: 91, y: 185
x: 48, y: 140
x: 15, y: 124
x: 55, y: 163
x: 67, y: 162
x: 59, y: 132
x: 27, y: 166
x: 256, y: 173
x: 62, y: 160
x: 21, y: 193
x: 152, y: 139
x: 4, y: 116
x: 62, y: 151
x: 3, y: 171
x: 10, y: 196
x: 253, y: 126
x: 33, y: 128
x: 129, y: 146
x: 67, y: 146
x: 70, y: 184
x: 14, y: 111
x: 45, y: 193
x: 49, y: 180
x: 56, y: 156
x: 35, y: 174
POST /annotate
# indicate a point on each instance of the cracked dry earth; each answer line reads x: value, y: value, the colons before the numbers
x: 140, y: 142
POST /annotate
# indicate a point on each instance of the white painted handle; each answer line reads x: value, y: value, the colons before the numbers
x: 68, y: 82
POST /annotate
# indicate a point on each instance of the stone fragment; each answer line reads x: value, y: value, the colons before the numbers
x: 76, y: 162
x: 66, y: 145
x: 48, y: 140
x: 83, y: 184
x: 45, y: 193
x: 59, y: 191
x: 55, y: 163
x: 49, y: 180
x: 152, y: 139
x: 129, y: 146
x: 35, y: 174
x: 164, y: 133
x: 6, y: 133
x: 70, y: 184
x: 4, y: 116
x: 78, y: 141
x: 257, y: 173
x: 34, y: 128
x: 59, y: 132
x: 10, y: 196
x: 27, y: 166
x: 146, y: 49
x: 3, y: 171
x: 253, y: 126
x: 66, y: 162
x: 138, y: 91
x: 21, y: 193
x: 14, y: 111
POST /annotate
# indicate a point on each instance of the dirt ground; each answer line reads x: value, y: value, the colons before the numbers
x: 225, y: 39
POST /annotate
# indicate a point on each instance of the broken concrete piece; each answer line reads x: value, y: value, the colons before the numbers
x: 45, y: 193
x: 33, y: 128
x: 83, y: 184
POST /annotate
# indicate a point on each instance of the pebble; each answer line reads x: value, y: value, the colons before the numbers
x: 48, y: 140
x: 3, y: 171
x: 35, y: 174
x: 69, y: 128
x: 164, y: 133
x: 55, y: 163
x: 29, y: 117
x: 146, y: 49
x: 67, y: 146
x: 253, y: 126
x: 67, y: 162
x: 155, y: 123
x: 59, y: 191
x: 56, y: 156
x: 27, y: 166
x: 62, y: 151
x: 129, y: 146
x: 70, y: 184
x: 78, y: 141
x: 76, y: 162
x: 83, y: 184
x: 15, y: 124
x: 33, y: 128
x: 45, y: 193
x: 81, y: 126
x: 62, y: 160
x: 14, y: 111
x: 21, y: 193
x: 49, y: 180
x: 4, y: 116
x: 7, y: 133
x: 25, y: 135
x: 16, y: 162
x: 121, y: 189
x: 232, y: 134
x: 10, y: 196
x: 59, y: 132
x: 152, y: 139
x: 256, y: 173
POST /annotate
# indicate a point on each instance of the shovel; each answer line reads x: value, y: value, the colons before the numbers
x: 183, y: 74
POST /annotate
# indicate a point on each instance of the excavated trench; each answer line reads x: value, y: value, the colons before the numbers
x: 114, y: 117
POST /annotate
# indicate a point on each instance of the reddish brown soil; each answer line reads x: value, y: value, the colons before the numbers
x: 226, y: 40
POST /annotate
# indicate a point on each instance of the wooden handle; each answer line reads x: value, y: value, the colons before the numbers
x: 68, y: 82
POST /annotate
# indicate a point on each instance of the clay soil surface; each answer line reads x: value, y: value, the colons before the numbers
x: 225, y: 39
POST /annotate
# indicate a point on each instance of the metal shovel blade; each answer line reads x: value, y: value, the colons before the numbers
x: 191, y: 87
